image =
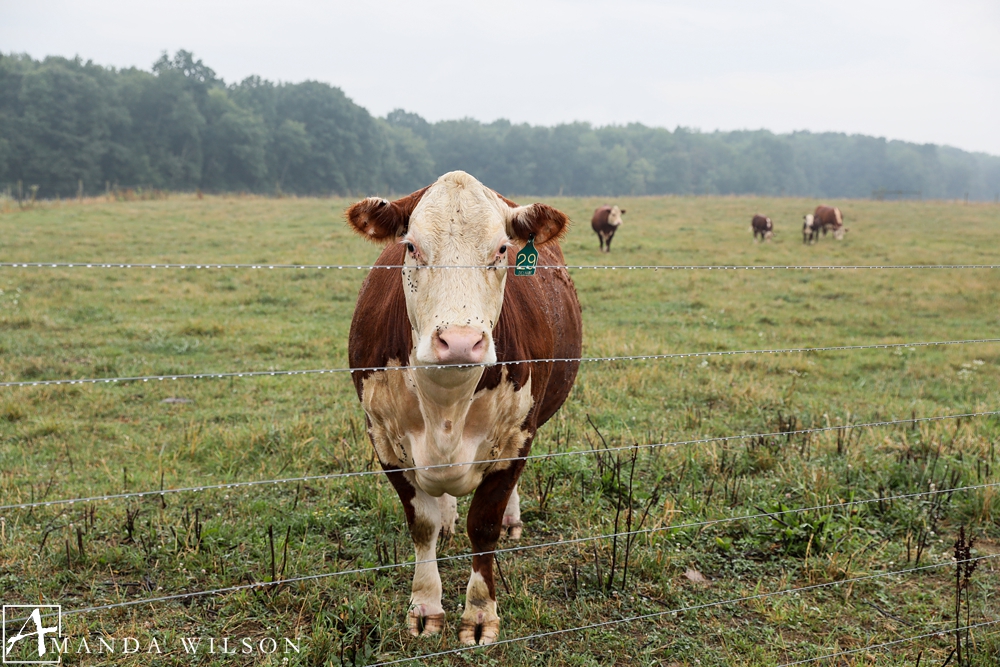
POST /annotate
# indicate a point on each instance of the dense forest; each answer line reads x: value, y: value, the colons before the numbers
x: 66, y: 123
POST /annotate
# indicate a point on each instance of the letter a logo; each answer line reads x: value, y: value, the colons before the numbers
x: 30, y: 645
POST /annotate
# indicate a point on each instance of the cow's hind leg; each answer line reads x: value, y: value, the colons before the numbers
x: 449, y: 513
x: 512, y: 516
x: 423, y: 514
x: 480, y: 621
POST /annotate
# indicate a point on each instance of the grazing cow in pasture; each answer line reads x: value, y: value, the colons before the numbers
x: 452, y: 405
x: 810, y: 231
x: 606, y: 221
x: 763, y: 226
x: 829, y: 218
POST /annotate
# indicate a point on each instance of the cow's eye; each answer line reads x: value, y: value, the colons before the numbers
x: 503, y: 250
x: 410, y: 247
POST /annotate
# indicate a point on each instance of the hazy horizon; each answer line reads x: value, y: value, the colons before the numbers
x: 917, y: 72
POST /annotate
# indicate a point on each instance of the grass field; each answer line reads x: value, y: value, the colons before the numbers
x: 70, y: 441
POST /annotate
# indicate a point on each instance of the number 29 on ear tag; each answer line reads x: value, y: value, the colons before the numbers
x: 527, y: 259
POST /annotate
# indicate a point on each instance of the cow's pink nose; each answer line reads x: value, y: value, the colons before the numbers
x: 460, y: 345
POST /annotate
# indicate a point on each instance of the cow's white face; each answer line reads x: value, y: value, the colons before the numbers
x: 452, y: 312
x: 615, y: 216
x: 457, y: 221
x: 808, y: 220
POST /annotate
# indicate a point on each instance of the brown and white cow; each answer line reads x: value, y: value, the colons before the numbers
x: 606, y: 221
x: 425, y: 318
x: 810, y: 232
x: 763, y: 226
x: 829, y: 218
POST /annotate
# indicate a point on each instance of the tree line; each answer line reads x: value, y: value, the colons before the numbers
x: 67, y: 124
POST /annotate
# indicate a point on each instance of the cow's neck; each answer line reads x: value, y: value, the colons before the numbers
x: 445, y: 396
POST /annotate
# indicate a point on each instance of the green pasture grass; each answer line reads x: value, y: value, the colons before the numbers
x: 81, y: 440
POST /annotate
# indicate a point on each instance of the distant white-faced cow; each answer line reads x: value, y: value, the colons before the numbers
x: 810, y: 231
x: 763, y: 226
x: 437, y: 412
x: 606, y: 221
x: 829, y: 218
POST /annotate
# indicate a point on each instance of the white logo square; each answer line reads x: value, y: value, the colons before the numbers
x: 25, y: 629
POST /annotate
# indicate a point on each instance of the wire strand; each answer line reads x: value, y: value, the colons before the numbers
x: 659, y: 614
x: 520, y: 548
x: 530, y: 457
x: 367, y: 267
x: 367, y: 369
x: 892, y: 643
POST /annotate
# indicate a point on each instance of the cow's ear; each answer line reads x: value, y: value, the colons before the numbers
x: 380, y: 219
x: 541, y: 220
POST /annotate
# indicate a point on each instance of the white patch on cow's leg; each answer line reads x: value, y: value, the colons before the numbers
x: 480, y: 613
x: 426, y: 615
x: 448, y: 505
x: 512, y: 516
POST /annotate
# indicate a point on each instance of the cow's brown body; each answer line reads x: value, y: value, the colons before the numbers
x: 539, y: 319
x: 829, y: 218
x: 763, y: 226
x: 605, y: 222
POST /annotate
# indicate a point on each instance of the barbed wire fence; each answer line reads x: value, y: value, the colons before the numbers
x: 532, y: 547
x: 707, y: 605
x: 594, y: 451
x: 874, y: 647
x: 437, y: 367
x: 596, y: 267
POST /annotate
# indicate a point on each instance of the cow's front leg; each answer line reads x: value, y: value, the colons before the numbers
x: 480, y: 621
x: 426, y: 615
x: 423, y: 515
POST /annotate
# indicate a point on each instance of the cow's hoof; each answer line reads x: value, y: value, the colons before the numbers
x: 420, y: 623
x: 513, y: 530
x: 472, y: 633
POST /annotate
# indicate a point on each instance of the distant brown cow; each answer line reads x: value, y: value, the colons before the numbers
x: 810, y: 232
x: 763, y: 226
x: 829, y: 218
x: 606, y: 221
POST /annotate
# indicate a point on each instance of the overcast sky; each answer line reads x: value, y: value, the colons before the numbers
x: 913, y: 70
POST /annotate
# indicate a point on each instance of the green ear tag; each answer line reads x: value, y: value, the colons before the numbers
x: 527, y: 259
